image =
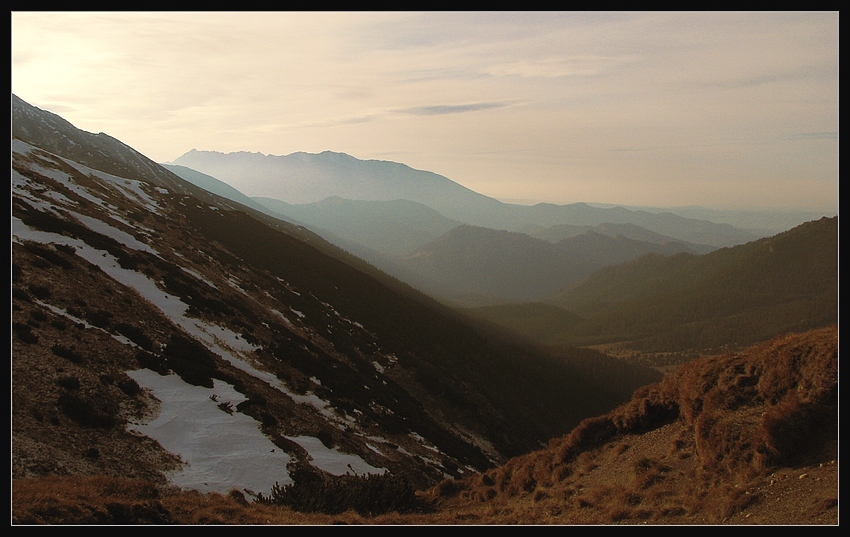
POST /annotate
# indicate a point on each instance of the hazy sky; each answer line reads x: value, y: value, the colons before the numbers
x: 727, y: 110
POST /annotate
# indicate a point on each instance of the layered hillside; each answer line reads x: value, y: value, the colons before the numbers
x: 304, y: 178
x: 733, y: 296
x: 475, y: 264
x: 730, y: 297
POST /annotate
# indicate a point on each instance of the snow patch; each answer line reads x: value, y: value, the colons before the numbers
x: 333, y: 461
x: 214, y: 445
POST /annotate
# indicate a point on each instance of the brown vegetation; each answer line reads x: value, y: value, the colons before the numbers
x: 745, y: 438
x: 691, y: 448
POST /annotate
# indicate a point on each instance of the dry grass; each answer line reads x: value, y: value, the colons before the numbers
x: 737, y: 418
x: 726, y: 439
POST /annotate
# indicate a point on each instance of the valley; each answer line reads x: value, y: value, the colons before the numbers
x: 182, y: 352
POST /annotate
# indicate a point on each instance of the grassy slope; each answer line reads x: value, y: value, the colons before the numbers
x: 732, y: 439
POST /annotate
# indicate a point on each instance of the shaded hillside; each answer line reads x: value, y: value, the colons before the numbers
x: 743, y: 438
x: 541, y: 322
x: 124, y: 287
x: 506, y: 266
x: 730, y: 297
x: 629, y: 231
x: 707, y: 444
x: 734, y: 296
x: 391, y: 228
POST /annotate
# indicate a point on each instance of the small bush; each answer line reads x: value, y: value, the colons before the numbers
x: 41, y: 292
x: 326, y: 438
x: 70, y: 383
x: 25, y: 333
x: 69, y: 353
x: 369, y: 494
x: 135, y: 334
x: 191, y: 360
x: 129, y: 386
x: 99, y: 318
x: 19, y: 293
x: 87, y: 412
x: 152, y: 361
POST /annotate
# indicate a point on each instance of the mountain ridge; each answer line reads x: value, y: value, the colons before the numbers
x: 304, y: 180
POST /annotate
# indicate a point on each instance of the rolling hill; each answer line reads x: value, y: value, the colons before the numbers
x: 731, y: 297
x: 472, y: 264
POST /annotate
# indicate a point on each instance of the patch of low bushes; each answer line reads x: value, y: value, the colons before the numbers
x: 370, y: 494
x: 87, y: 411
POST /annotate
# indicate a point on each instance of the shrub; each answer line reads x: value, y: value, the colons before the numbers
x: 152, y: 361
x: 135, y: 334
x: 19, y: 293
x: 24, y: 333
x: 41, y: 292
x: 86, y: 411
x: 369, y: 494
x: 99, y: 318
x: 69, y: 353
x: 129, y: 386
x: 191, y: 360
x: 70, y: 383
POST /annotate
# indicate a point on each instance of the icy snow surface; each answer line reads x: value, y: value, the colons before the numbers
x: 222, y: 451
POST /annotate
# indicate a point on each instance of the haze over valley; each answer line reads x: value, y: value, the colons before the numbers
x: 267, y: 269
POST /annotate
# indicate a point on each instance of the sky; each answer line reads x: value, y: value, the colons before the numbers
x: 729, y: 110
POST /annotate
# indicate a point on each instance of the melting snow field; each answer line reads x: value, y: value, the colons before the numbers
x: 222, y: 451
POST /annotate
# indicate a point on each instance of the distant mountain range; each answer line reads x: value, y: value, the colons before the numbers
x: 303, y: 178
x: 441, y: 237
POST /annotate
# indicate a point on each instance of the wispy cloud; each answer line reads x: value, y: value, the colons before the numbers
x: 442, y: 109
x: 555, y: 67
x: 833, y: 135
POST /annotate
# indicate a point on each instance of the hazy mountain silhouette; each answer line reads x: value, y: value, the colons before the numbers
x: 479, y: 265
x: 730, y: 297
x: 302, y: 178
x: 392, y: 228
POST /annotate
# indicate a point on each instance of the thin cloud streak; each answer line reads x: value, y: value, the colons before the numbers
x: 441, y: 109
